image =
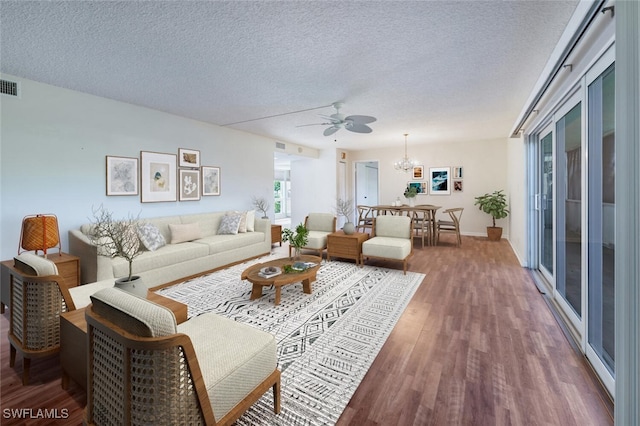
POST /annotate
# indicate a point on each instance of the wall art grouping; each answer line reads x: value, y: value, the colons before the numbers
x: 440, y: 180
x: 158, y: 179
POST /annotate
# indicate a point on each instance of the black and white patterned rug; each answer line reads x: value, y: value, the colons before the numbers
x: 326, y: 340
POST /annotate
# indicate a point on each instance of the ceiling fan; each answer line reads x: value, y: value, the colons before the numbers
x: 337, y: 121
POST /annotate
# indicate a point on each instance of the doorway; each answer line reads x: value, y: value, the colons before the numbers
x: 366, y: 183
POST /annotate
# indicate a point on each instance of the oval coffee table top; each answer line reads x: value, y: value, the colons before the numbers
x: 252, y: 273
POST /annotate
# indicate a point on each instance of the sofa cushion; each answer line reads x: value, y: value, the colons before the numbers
x: 251, y: 220
x: 233, y: 357
x: 33, y: 264
x: 229, y: 224
x: 134, y: 314
x: 317, y: 239
x: 181, y: 233
x: 168, y: 255
x: 150, y: 236
x: 222, y: 243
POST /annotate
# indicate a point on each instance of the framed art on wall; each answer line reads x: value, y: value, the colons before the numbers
x: 189, y: 157
x: 189, y: 185
x: 457, y: 186
x: 418, y: 172
x: 439, y: 177
x: 421, y: 187
x: 157, y: 177
x: 122, y: 175
x: 210, y: 180
x: 457, y: 172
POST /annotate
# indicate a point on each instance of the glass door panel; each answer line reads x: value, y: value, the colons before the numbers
x: 601, y: 241
x: 569, y: 208
x: 546, y: 203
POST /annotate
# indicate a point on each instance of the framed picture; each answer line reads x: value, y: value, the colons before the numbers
x: 122, y: 175
x: 157, y: 177
x: 418, y: 172
x: 457, y: 172
x: 439, y: 177
x: 457, y: 185
x: 189, y: 185
x: 421, y: 187
x: 210, y: 180
x: 189, y: 157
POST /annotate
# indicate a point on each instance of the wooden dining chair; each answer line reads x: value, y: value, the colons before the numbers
x: 365, y: 218
x: 451, y: 226
x: 422, y: 224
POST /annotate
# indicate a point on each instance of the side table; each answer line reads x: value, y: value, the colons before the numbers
x: 68, y: 268
x: 345, y: 246
x: 73, y: 339
x: 276, y: 234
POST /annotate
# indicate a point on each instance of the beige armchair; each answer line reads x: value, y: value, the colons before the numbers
x: 38, y: 297
x: 319, y: 225
x: 145, y: 369
x: 391, y: 239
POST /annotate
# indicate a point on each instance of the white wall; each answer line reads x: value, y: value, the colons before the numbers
x: 313, y: 186
x: 53, y: 147
x: 484, y: 170
x: 517, y: 196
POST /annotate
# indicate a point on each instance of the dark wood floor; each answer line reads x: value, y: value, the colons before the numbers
x: 477, y: 345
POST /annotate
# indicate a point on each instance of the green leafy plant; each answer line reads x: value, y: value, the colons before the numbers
x: 115, y: 238
x: 494, y: 204
x: 298, y: 238
x: 410, y: 191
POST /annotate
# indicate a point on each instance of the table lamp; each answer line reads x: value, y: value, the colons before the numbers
x: 39, y: 232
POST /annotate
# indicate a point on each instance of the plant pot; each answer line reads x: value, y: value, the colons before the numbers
x: 494, y: 233
x: 349, y: 228
x: 135, y: 286
x: 411, y: 201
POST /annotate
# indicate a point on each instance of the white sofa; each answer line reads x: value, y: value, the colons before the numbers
x: 208, y: 251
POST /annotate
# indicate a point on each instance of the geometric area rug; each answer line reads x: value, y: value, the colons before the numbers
x: 326, y: 340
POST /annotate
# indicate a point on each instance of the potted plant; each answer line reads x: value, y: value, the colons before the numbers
x: 345, y: 208
x: 261, y: 204
x: 410, y: 193
x: 118, y: 238
x: 297, y: 239
x: 494, y: 204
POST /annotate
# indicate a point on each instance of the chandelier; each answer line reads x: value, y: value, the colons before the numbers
x: 405, y: 164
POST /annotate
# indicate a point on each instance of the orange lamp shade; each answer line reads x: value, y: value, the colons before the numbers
x: 39, y: 232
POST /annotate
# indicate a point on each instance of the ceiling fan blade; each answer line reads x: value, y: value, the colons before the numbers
x: 357, y: 127
x: 363, y: 119
x: 330, y: 130
x: 315, y: 124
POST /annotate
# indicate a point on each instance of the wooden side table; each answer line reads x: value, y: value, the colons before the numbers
x: 345, y: 246
x: 68, y: 268
x: 276, y: 234
x: 73, y: 339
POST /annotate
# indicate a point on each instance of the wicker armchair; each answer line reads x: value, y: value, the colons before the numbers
x: 145, y: 369
x: 391, y: 239
x: 38, y: 297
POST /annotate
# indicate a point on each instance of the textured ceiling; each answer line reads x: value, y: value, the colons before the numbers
x: 439, y: 70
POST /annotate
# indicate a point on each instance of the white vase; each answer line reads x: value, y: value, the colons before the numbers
x: 349, y: 228
x: 411, y: 201
x: 135, y: 286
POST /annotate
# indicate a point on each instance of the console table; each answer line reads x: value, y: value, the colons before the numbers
x: 73, y: 339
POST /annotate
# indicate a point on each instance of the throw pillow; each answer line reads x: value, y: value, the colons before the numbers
x: 184, y: 232
x: 243, y: 221
x: 251, y: 219
x: 229, y: 224
x: 150, y: 236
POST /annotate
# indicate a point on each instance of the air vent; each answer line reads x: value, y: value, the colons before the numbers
x: 9, y: 88
x: 280, y: 145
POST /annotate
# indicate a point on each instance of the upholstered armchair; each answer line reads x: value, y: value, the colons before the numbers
x: 145, y: 369
x: 391, y: 239
x: 319, y: 225
x: 38, y: 297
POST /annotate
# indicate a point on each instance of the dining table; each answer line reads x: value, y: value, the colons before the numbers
x: 429, y: 211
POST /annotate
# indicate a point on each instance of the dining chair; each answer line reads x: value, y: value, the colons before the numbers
x: 451, y: 226
x: 422, y: 224
x: 365, y: 218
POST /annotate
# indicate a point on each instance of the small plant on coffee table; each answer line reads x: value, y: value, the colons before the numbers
x: 297, y: 239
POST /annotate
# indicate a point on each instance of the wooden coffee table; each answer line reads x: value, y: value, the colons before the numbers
x: 306, y: 277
